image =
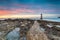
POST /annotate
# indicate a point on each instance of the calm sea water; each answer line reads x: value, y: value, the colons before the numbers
x: 52, y: 19
x: 48, y: 19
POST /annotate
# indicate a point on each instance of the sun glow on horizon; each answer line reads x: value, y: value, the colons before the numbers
x: 19, y: 16
x: 29, y: 16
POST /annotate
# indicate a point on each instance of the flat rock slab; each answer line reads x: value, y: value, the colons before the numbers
x: 35, y: 33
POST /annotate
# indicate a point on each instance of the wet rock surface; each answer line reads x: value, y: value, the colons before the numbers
x: 6, y: 26
x: 51, y: 33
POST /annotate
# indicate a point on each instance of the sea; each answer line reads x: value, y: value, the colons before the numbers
x: 52, y: 19
x: 48, y: 19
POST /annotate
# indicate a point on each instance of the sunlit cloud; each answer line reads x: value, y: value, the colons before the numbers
x: 19, y: 16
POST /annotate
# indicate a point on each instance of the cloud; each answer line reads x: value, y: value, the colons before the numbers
x: 15, y: 11
x: 26, y: 9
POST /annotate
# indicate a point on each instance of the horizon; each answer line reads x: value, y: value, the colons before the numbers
x: 31, y: 16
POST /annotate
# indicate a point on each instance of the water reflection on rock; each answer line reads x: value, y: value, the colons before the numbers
x: 13, y: 35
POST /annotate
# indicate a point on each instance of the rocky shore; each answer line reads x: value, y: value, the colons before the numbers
x: 51, y: 29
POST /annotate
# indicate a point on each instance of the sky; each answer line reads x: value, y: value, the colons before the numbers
x: 30, y: 7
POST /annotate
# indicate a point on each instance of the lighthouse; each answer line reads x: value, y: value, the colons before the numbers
x: 41, y: 16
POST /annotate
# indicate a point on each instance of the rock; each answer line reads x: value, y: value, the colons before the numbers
x: 35, y: 33
x: 13, y: 35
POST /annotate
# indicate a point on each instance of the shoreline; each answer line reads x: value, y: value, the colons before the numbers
x: 25, y: 24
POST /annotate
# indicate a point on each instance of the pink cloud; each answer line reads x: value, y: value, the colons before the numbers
x: 23, y: 10
x: 15, y: 11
